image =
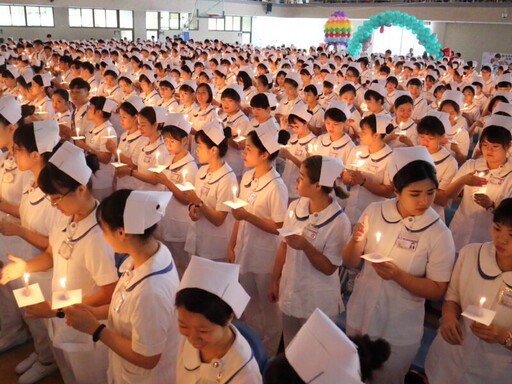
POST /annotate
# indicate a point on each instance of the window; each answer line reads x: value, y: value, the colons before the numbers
x: 39, y: 16
x: 174, y: 20
x: 164, y: 20
x: 127, y: 34
x: 216, y: 24
x: 100, y: 18
x: 246, y: 24
x: 233, y: 23
x: 151, y: 20
x: 18, y: 15
x: 111, y: 16
x: 151, y: 33
x: 89, y: 17
x: 126, y: 19
x: 230, y: 23
x: 75, y: 17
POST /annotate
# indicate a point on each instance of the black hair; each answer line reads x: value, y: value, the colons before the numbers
x: 62, y: 93
x: 110, y: 72
x: 293, y: 118
x: 196, y: 300
x: 188, y: 88
x: 404, y: 99
x: 503, y: 213
x: 336, y: 114
x: 371, y: 94
x: 79, y: 83
x: 38, y: 79
x: 24, y: 137
x: 393, y: 80
x: 493, y: 101
x: 99, y: 102
x: 144, y: 77
x: 260, y: 101
x: 264, y: 80
x: 219, y: 73
x: 259, y: 145
x: 452, y: 103
x: 497, y: 135
x: 166, y: 83
x: 111, y: 212
x: 150, y: 115
x: 354, y: 71
x: 371, y: 122
x: 469, y: 87
x: 438, y: 88
x: 201, y: 136
x: 291, y: 82
x: 128, y: 108
x: 125, y: 79
x: 175, y: 132
x: 246, y: 79
x: 415, y: 81
x: 384, y: 68
x: 230, y: 93
x: 430, y: 125
x: 208, y: 89
x: 313, y: 165
x: 87, y: 66
x: 417, y: 170
x: 311, y: 88
x: 347, y: 88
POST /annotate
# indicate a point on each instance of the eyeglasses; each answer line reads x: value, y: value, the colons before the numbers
x: 55, y: 202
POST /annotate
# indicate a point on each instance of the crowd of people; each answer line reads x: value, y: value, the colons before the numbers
x: 182, y: 185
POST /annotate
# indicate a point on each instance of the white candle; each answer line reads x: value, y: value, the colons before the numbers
x: 118, y: 155
x: 62, y: 282
x: 378, y: 235
x: 238, y: 133
x: 235, y: 190
x: 78, y: 132
x: 108, y: 131
x: 364, y: 107
x: 291, y: 214
x: 315, y: 147
x: 481, y: 307
x: 310, y: 148
x: 26, y: 277
x: 157, y: 158
x: 184, y: 176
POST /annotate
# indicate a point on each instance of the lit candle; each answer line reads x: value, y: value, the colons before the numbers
x: 235, y: 190
x: 184, y: 176
x: 310, y: 148
x: 26, y: 277
x: 108, y: 131
x: 238, y: 132
x: 291, y: 214
x: 364, y: 107
x: 315, y: 147
x: 378, y: 235
x: 481, y: 307
x: 78, y: 132
x: 157, y: 158
x: 64, y: 295
x: 118, y: 155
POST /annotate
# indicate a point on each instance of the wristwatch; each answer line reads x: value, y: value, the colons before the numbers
x: 60, y: 313
x: 508, y: 341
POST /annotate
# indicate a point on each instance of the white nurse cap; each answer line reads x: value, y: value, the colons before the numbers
x: 13, y: 70
x: 500, y: 121
x: 46, y: 134
x: 331, y: 169
x: 319, y: 88
x: 341, y: 105
x: 400, y: 93
x: 503, y: 107
x: 455, y: 96
x: 71, y: 160
x: 10, y: 108
x: 170, y: 80
x: 238, y: 89
x: 127, y: 75
x: 214, y: 131
x: 331, y: 356
x: 383, y: 120
x: 109, y: 106
x: 150, y: 75
x: 330, y: 78
x: 272, y: 99
x: 178, y: 120
x: 191, y: 83
x: 220, y: 279
x: 268, y: 134
x: 403, y: 156
x: 136, y: 102
x: 301, y: 110
x: 223, y: 70
x: 505, y: 78
x: 376, y: 87
x: 443, y: 117
x: 144, y: 209
x: 160, y: 113
x: 295, y: 77
x: 506, y: 95
x: 47, y: 79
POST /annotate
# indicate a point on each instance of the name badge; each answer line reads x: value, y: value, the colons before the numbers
x: 310, y: 232
x: 65, y: 250
x: 505, y: 297
x: 251, y: 197
x: 372, y: 168
x: 496, y: 180
x: 406, y: 243
x: 205, y: 190
x: 333, y: 153
x: 147, y: 159
x: 8, y: 178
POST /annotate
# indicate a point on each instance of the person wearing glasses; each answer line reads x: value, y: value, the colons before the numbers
x: 80, y: 258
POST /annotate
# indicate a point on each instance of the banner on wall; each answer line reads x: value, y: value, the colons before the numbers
x: 495, y: 59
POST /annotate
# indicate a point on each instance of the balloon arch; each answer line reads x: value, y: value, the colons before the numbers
x: 401, y: 19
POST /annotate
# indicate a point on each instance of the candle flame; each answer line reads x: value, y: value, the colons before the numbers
x: 26, y: 276
x: 482, y: 301
x: 378, y: 235
x: 62, y: 282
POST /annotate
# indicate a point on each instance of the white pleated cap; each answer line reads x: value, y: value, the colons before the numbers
x: 341, y: 105
x: 503, y: 107
x: 109, y: 106
x: 403, y: 156
x: 319, y: 88
x: 150, y: 75
x: 400, y: 93
x: 47, y: 136
x: 500, y: 121
x: 13, y: 70
x: 376, y: 87
x: 144, y: 209
x: 191, y: 83
x: 383, y: 120
x: 71, y: 160
x: 238, y: 89
x: 330, y: 171
x: 443, y: 118
x: 170, y: 80
x: 295, y: 77
x: 331, y: 78
x: 268, y: 134
x: 47, y: 79
x: 272, y: 99
x: 301, y: 110
x: 506, y: 95
x: 222, y: 69
x: 506, y: 77
x: 321, y: 353
x: 178, y: 120
x: 136, y: 101
x: 160, y: 113
x: 214, y: 131
x: 220, y: 279
x: 455, y: 96
x: 10, y: 108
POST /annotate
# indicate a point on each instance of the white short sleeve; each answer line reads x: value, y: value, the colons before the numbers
x: 278, y: 199
x: 99, y: 260
x: 441, y: 256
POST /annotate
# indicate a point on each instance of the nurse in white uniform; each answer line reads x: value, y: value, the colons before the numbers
x: 44, y: 109
x: 304, y: 275
x: 78, y: 255
x: 479, y: 353
x: 213, y: 350
x: 99, y: 111
x: 365, y: 171
x: 292, y: 83
x: 389, y: 297
x: 322, y: 354
x: 181, y: 171
x: 34, y: 143
x: 484, y: 183
x: 142, y: 332
x: 212, y: 226
x: 254, y: 240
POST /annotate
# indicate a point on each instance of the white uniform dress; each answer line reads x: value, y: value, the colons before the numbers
x: 130, y: 146
x: 420, y: 108
x: 303, y: 288
x: 410, y: 129
x: 237, y: 122
x: 151, y: 99
x: 143, y: 311
x: 213, y: 188
x: 471, y: 222
x: 446, y: 168
x: 237, y: 366
x: 285, y: 106
x: 96, y: 138
x: 64, y: 118
x: 255, y: 251
x: 476, y: 274
x: 298, y: 148
x: 87, y: 263
x: 317, y: 120
x: 44, y: 109
x: 419, y: 245
x: 374, y: 169
x: 171, y: 105
x: 339, y: 149
x: 459, y: 135
x: 79, y: 120
x: 147, y: 159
